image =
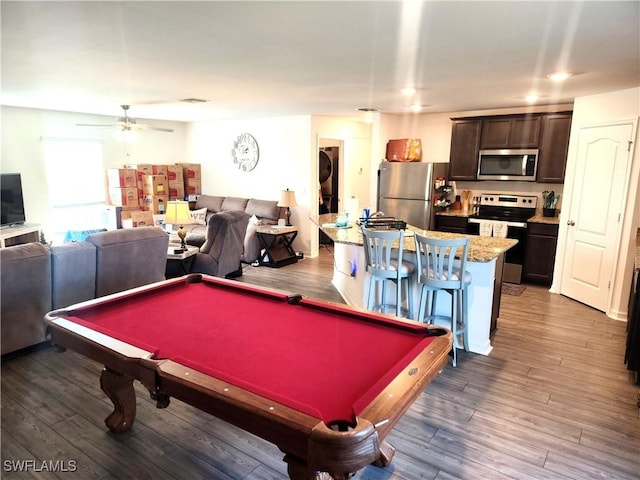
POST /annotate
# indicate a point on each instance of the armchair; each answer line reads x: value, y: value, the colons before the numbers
x: 221, y: 253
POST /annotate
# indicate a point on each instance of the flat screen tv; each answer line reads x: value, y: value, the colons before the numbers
x: 11, y: 199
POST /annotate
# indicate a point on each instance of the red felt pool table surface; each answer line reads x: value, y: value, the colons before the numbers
x: 325, y: 360
x: 324, y: 363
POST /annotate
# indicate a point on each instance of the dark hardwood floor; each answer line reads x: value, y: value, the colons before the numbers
x: 552, y: 401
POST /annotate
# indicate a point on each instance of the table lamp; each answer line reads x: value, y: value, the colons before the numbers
x: 287, y: 199
x: 177, y: 213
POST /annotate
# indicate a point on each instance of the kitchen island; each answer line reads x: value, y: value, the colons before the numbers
x: 485, y: 261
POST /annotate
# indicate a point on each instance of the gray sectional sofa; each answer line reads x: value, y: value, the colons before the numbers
x: 259, y: 212
x: 36, y: 278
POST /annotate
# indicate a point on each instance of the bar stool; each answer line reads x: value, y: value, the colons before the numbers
x: 383, y: 257
x: 442, y: 267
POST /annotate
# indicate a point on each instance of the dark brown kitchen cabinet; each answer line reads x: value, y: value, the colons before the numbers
x: 452, y: 224
x: 510, y: 131
x: 465, y: 144
x: 540, y: 252
x: 554, y: 144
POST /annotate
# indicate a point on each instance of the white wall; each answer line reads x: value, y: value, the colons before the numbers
x: 23, y: 128
x: 285, y: 161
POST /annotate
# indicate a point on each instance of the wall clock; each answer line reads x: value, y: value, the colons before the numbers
x: 245, y: 152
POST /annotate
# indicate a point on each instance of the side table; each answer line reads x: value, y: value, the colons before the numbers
x: 179, y: 264
x: 276, y: 243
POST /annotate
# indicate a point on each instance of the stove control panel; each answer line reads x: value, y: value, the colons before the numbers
x: 508, y: 200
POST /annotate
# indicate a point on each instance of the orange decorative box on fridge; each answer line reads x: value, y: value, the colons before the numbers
x: 404, y: 150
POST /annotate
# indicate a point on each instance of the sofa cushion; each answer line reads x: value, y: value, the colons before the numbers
x: 263, y: 209
x: 212, y: 203
x: 25, y: 296
x: 73, y: 268
x: 129, y: 258
x: 234, y: 204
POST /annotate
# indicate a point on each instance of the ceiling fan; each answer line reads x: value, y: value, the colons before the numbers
x: 127, y: 124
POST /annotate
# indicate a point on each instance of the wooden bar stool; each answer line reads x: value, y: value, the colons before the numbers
x: 383, y: 257
x: 442, y: 267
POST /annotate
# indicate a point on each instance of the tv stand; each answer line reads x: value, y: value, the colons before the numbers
x: 18, y: 234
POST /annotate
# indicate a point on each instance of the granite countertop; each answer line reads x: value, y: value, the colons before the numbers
x: 481, y: 249
x: 539, y: 218
x: 454, y: 213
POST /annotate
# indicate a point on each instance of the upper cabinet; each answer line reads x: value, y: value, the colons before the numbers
x: 547, y: 132
x: 465, y: 143
x: 513, y: 131
x: 554, y: 145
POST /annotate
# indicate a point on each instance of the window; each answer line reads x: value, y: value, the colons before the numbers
x: 75, y: 177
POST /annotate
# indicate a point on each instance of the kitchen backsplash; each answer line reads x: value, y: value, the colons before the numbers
x: 520, y: 188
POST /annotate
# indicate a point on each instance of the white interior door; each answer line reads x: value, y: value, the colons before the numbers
x: 594, y: 218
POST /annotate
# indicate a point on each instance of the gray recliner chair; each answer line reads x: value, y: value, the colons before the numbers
x: 221, y: 253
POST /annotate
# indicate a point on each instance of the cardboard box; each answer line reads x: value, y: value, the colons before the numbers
x: 121, y: 177
x: 192, y: 186
x: 155, y: 185
x: 160, y: 170
x: 145, y: 168
x: 142, y: 218
x: 156, y: 204
x: 176, y: 191
x: 124, y: 197
x: 190, y: 170
x: 175, y: 173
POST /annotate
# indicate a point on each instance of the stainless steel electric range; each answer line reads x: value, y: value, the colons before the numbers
x: 512, y: 212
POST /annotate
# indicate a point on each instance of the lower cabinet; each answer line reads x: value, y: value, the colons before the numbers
x: 452, y: 224
x: 540, y: 254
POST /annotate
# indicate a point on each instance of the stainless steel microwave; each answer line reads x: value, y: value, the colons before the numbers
x: 520, y: 164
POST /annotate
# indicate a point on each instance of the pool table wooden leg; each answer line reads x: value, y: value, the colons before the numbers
x: 386, y: 454
x: 119, y: 389
x: 299, y: 471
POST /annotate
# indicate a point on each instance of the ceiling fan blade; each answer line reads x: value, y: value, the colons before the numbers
x: 127, y: 123
x: 158, y: 129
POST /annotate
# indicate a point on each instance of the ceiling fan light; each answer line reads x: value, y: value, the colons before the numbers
x: 126, y: 134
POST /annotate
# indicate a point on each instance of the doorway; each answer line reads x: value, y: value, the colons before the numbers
x: 329, y: 178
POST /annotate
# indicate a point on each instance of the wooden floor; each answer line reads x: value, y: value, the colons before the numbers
x: 552, y: 401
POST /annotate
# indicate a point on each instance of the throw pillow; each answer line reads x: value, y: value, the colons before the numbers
x: 199, y: 217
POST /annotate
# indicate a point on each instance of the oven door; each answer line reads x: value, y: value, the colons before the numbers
x: 508, y: 165
x: 514, y: 257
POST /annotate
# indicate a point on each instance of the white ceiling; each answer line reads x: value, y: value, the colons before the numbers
x: 270, y: 58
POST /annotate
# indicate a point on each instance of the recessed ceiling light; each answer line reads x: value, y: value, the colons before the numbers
x: 416, y: 107
x: 408, y: 91
x: 532, y: 98
x: 559, y: 76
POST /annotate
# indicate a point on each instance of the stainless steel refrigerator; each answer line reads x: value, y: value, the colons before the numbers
x: 406, y: 191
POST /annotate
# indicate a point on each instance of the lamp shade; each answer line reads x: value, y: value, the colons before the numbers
x: 177, y: 213
x: 287, y: 199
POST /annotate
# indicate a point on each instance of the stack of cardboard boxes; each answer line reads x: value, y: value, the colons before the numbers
x: 142, y: 191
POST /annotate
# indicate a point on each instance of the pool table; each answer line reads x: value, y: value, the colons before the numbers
x: 325, y: 382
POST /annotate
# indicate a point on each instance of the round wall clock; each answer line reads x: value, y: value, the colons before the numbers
x: 245, y: 152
